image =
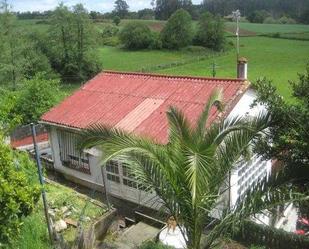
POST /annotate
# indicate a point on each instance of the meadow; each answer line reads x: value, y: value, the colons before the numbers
x: 260, y: 28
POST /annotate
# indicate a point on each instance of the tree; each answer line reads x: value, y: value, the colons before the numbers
x: 165, y: 8
x: 10, y: 56
x: 20, y: 56
x: 19, y: 190
x: 121, y: 8
x: 189, y: 171
x: 210, y: 32
x: 135, y: 35
x: 177, y: 32
x: 287, y: 140
x: 72, y: 39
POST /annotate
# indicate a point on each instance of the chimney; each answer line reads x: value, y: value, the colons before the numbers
x: 242, y: 68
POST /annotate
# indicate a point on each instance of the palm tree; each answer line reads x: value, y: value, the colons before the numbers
x: 189, y: 171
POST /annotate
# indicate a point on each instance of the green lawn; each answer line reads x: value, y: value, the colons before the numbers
x: 271, y: 28
x: 120, y: 59
x: 277, y: 59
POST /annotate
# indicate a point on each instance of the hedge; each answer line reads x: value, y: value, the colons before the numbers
x: 252, y: 233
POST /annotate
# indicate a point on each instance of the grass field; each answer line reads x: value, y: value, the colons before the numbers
x: 260, y: 28
x: 114, y: 58
x: 277, y: 59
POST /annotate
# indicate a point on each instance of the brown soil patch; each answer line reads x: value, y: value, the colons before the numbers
x: 242, y: 32
x: 156, y: 26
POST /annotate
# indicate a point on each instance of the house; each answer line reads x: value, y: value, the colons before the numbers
x: 137, y: 103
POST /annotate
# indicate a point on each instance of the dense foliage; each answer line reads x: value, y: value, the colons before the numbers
x: 18, y: 190
x: 269, y: 237
x: 165, y: 8
x: 20, y: 57
x: 72, y: 43
x: 121, y: 8
x: 177, y: 32
x: 33, y: 98
x: 210, y: 32
x: 288, y: 137
x: 295, y: 9
x: 136, y: 35
x: 36, y: 97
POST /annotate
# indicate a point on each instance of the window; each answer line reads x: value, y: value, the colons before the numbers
x: 112, y: 169
x: 113, y: 178
x: 129, y: 183
x: 69, y: 154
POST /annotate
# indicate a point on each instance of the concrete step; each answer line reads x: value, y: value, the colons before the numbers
x: 136, y: 235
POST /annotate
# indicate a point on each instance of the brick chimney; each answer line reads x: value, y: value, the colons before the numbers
x: 242, y: 68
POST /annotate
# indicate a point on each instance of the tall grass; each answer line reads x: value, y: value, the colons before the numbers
x: 33, y: 234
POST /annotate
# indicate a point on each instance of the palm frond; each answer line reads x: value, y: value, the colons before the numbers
x: 215, y: 99
x: 179, y: 127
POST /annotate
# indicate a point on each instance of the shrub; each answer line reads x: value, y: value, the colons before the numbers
x: 156, y: 42
x: 18, y: 192
x: 37, y: 96
x: 135, y: 35
x: 270, y: 20
x: 177, y: 32
x: 286, y: 20
x: 210, y: 32
x: 110, y: 31
x: 116, y: 20
x: 8, y: 120
x: 258, y: 16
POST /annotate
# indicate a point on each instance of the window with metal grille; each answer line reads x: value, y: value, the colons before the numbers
x: 112, y: 171
x: 69, y: 154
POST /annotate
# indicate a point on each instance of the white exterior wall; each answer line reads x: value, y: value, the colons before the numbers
x: 95, y: 177
x: 246, y: 173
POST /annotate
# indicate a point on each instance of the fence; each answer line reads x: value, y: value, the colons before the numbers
x: 252, y: 233
x: 25, y: 131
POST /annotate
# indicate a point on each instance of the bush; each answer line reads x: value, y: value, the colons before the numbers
x: 136, y: 35
x: 210, y: 32
x: 18, y: 192
x: 116, y: 20
x: 110, y: 31
x: 270, y: 20
x: 156, y: 42
x: 177, y: 32
x: 286, y: 20
x: 36, y: 97
x: 8, y: 120
x: 258, y: 16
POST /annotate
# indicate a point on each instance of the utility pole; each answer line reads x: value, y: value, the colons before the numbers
x: 38, y: 162
x: 236, y: 16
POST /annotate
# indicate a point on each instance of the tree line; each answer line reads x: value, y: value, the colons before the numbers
x: 177, y: 33
x: 253, y: 10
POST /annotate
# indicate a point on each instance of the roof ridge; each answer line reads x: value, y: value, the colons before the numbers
x: 173, y: 76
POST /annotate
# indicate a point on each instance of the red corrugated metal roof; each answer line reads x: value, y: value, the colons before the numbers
x: 115, y: 98
x: 28, y: 140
